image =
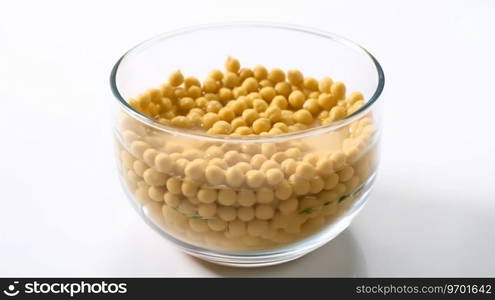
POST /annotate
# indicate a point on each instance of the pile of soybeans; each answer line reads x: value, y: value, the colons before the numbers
x: 246, y: 195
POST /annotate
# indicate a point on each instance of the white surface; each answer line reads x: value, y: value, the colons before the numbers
x: 62, y: 211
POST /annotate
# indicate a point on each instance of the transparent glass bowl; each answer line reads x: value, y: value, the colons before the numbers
x: 247, y: 222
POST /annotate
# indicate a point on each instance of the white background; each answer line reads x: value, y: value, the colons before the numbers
x: 62, y: 211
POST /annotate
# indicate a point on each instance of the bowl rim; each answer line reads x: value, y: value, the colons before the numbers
x: 195, y: 134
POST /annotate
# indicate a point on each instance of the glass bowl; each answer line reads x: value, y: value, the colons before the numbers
x: 182, y: 182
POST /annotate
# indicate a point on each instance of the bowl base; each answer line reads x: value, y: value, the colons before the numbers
x: 267, y: 257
